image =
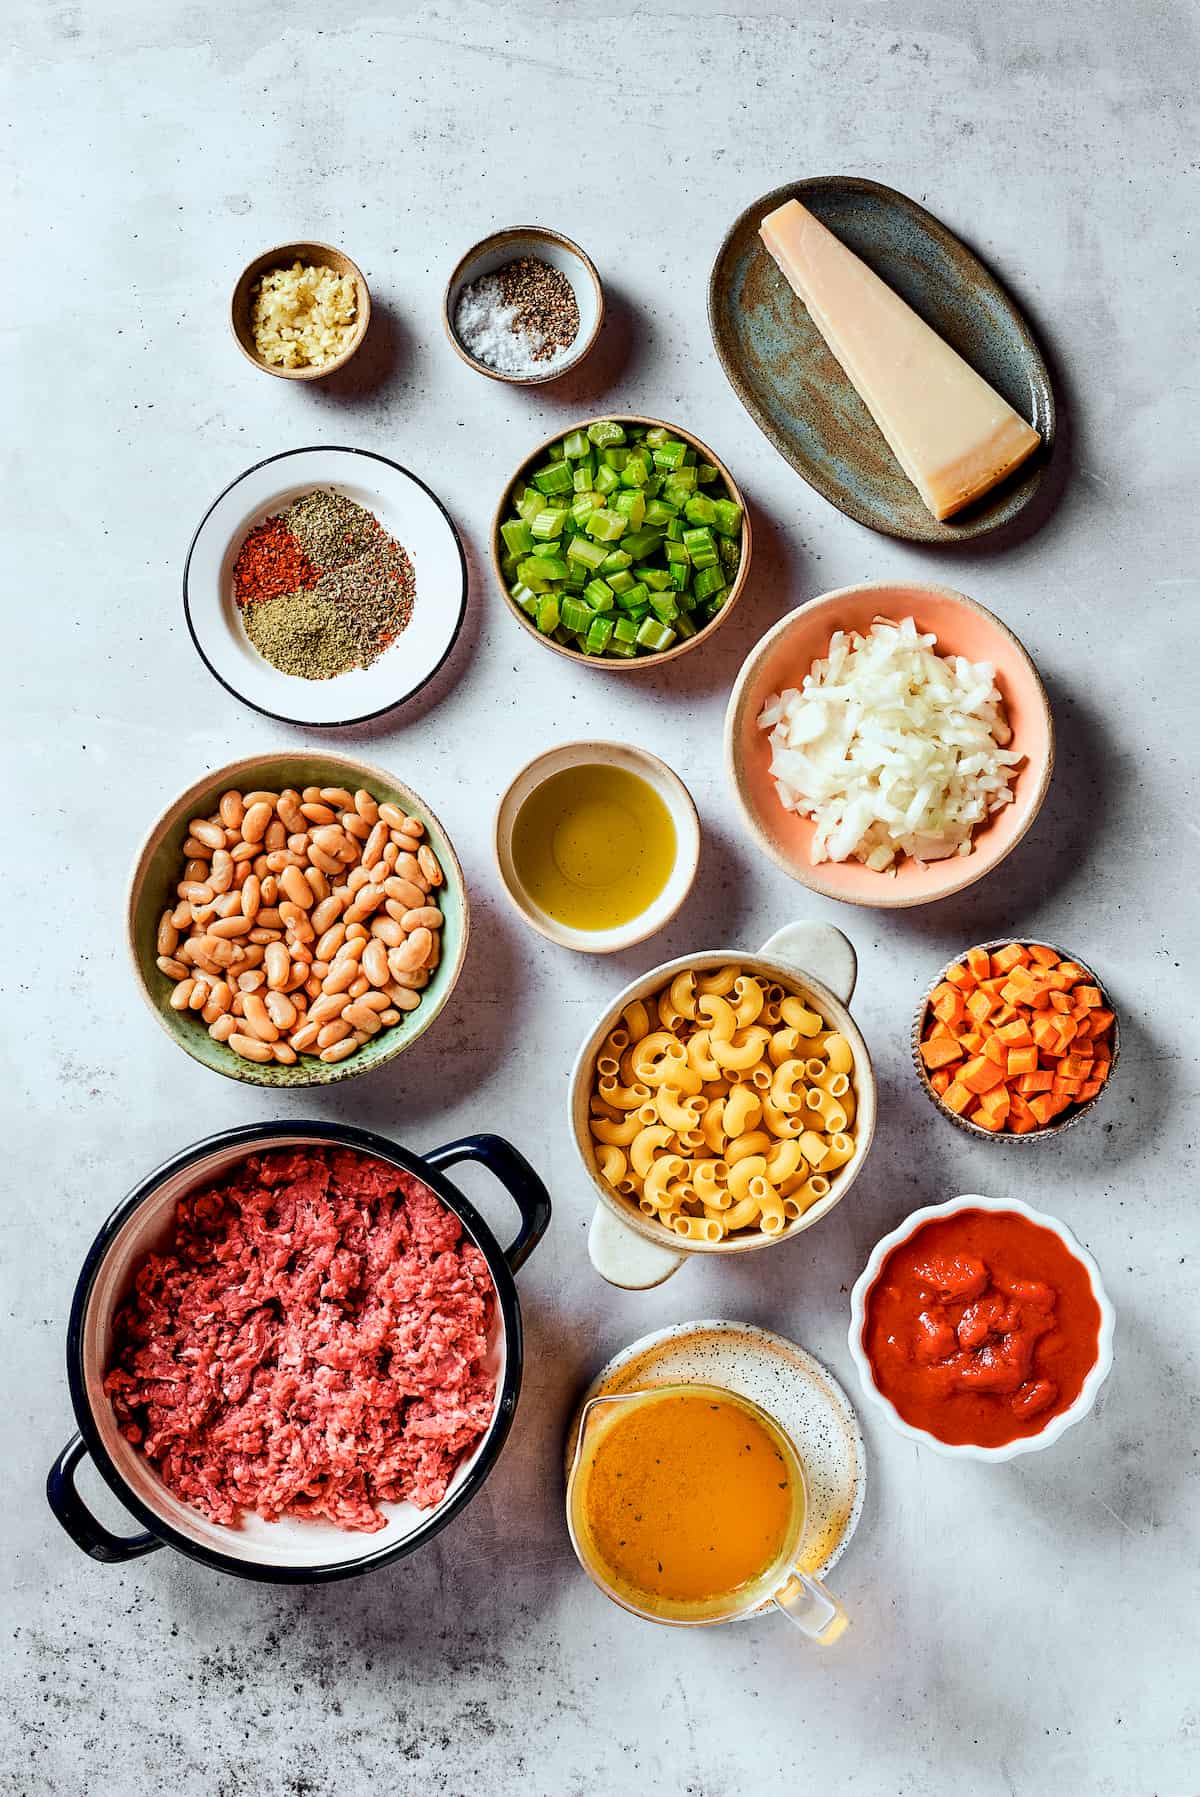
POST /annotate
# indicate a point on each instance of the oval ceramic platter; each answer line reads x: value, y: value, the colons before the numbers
x: 789, y: 381
x: 405, y: 507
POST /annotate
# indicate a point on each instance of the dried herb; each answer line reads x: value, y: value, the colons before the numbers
x: 331, y: 529
x: 303, y: 634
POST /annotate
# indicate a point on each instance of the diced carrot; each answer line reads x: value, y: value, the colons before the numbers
x: 940, y: 1053
x: 1077, y: 1066
x: 1042, y: 1107
x: 1074, y: 973
x: 1090, y: 1088
x: 1021, y: 1060
x: 961, y: 976
x: 981, y: 1004
x: 1012, y: 955
x: 994, y: 984
x: 949, y: 1009
x: 996, y: 1102
x: 1060, y: 1002
x: 1006, y: 1014
x: 957, y: 1097
x: 1016, y: 1034
x: 980, y: 1075
x: 940, y: 1081
x: 972, y: 1041
x: 989, y: 1121
x: 1101, y: 1020
x: 1045, y: 957
x: 1045, y: 1031
x: 940, y: 1032
x: 994, y: 1050
x: 979, y: 963
x: 1035, y: 1082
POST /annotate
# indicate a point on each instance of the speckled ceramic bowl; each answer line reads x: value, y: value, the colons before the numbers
x: 784, y: 656
x: 968, y: 1450
x: 494, y: 253
x: 788, y: 379
x: 158, y: 869
x: 1068, y: 1118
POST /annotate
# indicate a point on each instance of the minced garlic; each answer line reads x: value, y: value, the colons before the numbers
x: 302, y: 317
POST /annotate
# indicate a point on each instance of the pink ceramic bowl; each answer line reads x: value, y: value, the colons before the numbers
x: 784, y: 656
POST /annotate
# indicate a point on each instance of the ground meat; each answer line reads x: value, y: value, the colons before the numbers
x: 312, y: 1343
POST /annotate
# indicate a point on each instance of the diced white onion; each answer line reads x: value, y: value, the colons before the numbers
x: 891, y: 748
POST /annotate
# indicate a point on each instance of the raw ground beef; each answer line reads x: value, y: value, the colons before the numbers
x: 311, y: 1344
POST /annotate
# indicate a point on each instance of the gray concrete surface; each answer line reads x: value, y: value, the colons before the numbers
x: 1017, y: 1630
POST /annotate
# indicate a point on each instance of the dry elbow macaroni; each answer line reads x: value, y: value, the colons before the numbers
x: 722, y: 1104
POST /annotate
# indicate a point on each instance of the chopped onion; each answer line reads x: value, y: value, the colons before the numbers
x: 891, y: 748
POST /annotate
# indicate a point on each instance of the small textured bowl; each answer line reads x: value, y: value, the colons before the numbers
x: 1067, y: 1118
x: 613, y: 663
x: 157, y: 870
x: 966, y: 1450
x: 784, y: 656
x: 674, y: 795
x: 317, y: 255
x: 495, y: 252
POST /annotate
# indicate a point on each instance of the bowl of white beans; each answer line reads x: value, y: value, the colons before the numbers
x: 297, y: 919
x: 722, y: 1103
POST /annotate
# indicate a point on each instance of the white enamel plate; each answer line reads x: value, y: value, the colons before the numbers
x: 406, y: 509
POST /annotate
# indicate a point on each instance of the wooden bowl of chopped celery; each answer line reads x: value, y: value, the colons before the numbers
x: 623, y: 542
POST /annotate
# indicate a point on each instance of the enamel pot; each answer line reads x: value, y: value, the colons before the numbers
x: 290, y: 1551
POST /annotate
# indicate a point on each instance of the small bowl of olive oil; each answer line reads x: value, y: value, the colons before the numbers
x: 597, y: 845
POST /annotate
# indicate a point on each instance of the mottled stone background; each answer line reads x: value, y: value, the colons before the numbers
x: 1017, y: 1630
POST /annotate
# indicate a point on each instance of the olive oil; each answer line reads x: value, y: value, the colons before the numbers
x: 594, y: 846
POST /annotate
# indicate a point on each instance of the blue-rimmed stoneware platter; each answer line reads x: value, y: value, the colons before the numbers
x: 789, y: 381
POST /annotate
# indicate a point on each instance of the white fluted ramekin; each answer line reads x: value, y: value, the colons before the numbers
x: 1056, y: 1425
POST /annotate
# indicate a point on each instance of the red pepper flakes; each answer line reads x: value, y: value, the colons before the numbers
x: 270, y: 563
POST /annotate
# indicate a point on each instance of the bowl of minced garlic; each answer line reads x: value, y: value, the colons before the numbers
x: 300, y: 310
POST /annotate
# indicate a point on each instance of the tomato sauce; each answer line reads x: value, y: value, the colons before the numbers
x: 981, y: 1327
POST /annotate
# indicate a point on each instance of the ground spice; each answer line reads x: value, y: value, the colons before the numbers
x: 331, y: 529
x: 303, y: 634
x: 375, y: 597
x: 545, y: 303
x: 271, y: 562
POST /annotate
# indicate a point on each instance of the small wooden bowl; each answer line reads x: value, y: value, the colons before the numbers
x: 158, y: 866
x: 1074, y: 1114
x: 316, y: 255
x: 784, y: 656
x: 614, y: 663
x: 495, y: 252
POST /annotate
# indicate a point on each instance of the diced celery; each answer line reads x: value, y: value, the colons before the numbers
x: 547, y: 614
x: 730, y: 551
x: 665, y: 607
x: 700, y: 546
x: 517, y: 535
x: 599, y: 594
x: 584, y: 504
x: 729, y: 517
x: 619, y: 580
x: 547, y: 525
x: 625, y: 630
x: 582, y: 549
x: 508, y: 567
x: 529, y: 504
x: 606, y: 527
x: 680, y: 573
x: 657, y: 435
x: 654, y: 635
x: 615, y: 561
x: 631, y: 504
x: 539, y: 567
x: 526, y: 599
x: 641, y: 543
x: 635, y: 596
x: 670, y: 454
x: 683, y: 625
x: 700, y: 510
x: 706, y: 473
x: 607, y: 480
x: 636, y: 471
x: 605, y: 432
x: 659, y: 513
x: 599, y: 635
x: 557, y: 478
x: 576, y: 615
x: 615, y: 459
x: 707, y: 582
x: 676, y: 554
x: 575, y: 447
x: 626, y: 651
x: 639, y: 611
x: 657, y: 579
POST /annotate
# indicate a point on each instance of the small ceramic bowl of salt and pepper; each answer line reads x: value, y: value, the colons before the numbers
x: 524, y: 305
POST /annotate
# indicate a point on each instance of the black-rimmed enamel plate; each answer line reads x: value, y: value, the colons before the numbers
x: 405, y: 507
x: 788, y: 379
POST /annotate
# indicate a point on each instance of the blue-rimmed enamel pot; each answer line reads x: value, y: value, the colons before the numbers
x: 290, y: 1551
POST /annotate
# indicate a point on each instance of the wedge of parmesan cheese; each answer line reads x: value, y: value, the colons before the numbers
x: 952, y: 434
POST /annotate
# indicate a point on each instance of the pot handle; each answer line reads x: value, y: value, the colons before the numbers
x: 818, y: 949
x: 517, y: 1177
x: 78, y: 1520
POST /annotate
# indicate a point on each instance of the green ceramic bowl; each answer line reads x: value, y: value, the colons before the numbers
x: 157, y: 871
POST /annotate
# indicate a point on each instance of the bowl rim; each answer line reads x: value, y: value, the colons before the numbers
x: 291, y: 252
x: 364, y: 717
x: 498, y: 240
x: 615, y: 664
x: 977, y: 864
x: 233, y: 774
x: 638, y: 929
x: 361, y: 1141
x: 1006, y: 1137
x: 791, y: 977
x: 1022, y: 1444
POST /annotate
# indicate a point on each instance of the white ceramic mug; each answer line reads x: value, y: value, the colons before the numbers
x: 813, y: 960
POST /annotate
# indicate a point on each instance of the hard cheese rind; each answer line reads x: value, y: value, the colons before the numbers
x: 952, y: 434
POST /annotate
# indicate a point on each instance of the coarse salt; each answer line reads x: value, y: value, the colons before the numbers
x: 487, y: 329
